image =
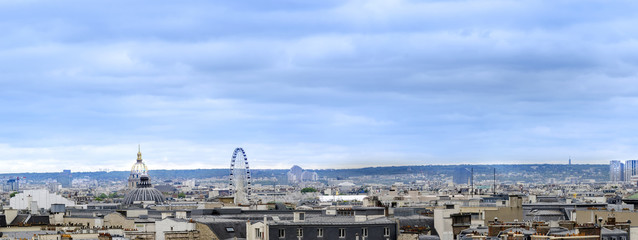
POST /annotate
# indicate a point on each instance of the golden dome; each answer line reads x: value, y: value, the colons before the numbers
x: 139, y: 168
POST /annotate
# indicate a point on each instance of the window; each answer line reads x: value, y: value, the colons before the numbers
x: 299, y: 232
x: 282, y: 233
x: 230, y: 229
x: 386, y: 231
x: 258, y: 233
x: 345, y: 213
x: 319, y: 232
x: 342, y: 232
x: 364, y: 232
x: 302, y: 216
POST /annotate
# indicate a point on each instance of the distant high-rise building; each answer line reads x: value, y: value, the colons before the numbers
x: 65, y: 178
x: 616, y: 171
x: 54, y: 187
x: 462, y: 176
x: 631, y: 169
x: 308, y: 176
x: 13, y: 185
x: 297, y: 174
x: 294, y: 175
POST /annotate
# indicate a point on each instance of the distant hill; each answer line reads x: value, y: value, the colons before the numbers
x: 505, y: 172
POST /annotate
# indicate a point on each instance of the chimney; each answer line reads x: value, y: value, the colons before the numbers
x: 331, y: 212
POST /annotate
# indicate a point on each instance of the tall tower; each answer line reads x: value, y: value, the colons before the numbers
x: 570, y: 160
x: 138, y: 169
x: 65, y: 178
x: 616, y: 171
x: 631, y: 171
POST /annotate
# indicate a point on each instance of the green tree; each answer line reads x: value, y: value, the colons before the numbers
x: 308, y: 189
x: 103, y: 196
x: 181, y: 195
x: 13, y: 194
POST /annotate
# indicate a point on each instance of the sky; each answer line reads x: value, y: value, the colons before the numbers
x: 319, y: 84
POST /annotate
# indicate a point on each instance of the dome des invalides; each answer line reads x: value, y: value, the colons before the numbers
x: 144, y: 192
x: 140, y: 184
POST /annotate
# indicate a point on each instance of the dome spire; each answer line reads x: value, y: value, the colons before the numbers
x: 139, y: 153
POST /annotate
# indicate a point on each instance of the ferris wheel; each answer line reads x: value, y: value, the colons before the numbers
x: 240, y: 187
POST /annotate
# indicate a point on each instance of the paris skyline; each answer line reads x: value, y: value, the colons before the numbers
x: 329, y: 84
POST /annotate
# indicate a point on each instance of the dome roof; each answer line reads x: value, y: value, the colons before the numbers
x: 143, y: 195
x: 139, y: 168
x: 144, y: 192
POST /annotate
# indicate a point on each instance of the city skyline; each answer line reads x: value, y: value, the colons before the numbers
x: 330, y: 84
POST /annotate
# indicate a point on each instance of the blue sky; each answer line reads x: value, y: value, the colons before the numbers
x: 321, y: 84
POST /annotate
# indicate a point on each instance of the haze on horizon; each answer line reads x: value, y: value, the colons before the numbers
x: 319, y: 84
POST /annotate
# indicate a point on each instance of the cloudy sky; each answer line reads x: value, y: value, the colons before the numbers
x: 321, y: 84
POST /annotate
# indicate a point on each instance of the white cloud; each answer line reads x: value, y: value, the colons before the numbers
x: 333, y: 83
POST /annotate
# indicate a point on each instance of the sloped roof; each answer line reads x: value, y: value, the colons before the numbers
x: 612, y: 231
x: 221, y: 227
x: 546, y: 213
x: 429, y: 237
x: 21, y: 218
x: 30, y: 219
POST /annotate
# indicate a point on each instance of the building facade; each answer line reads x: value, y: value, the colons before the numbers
x: 358, y: 224
x: 65, y: 178
x: 616, y: 171
x: 298, y: 174
x: 12, y: 185
x: 631, y: 170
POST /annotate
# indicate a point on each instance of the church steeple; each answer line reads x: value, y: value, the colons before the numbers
x: 139, y: 153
